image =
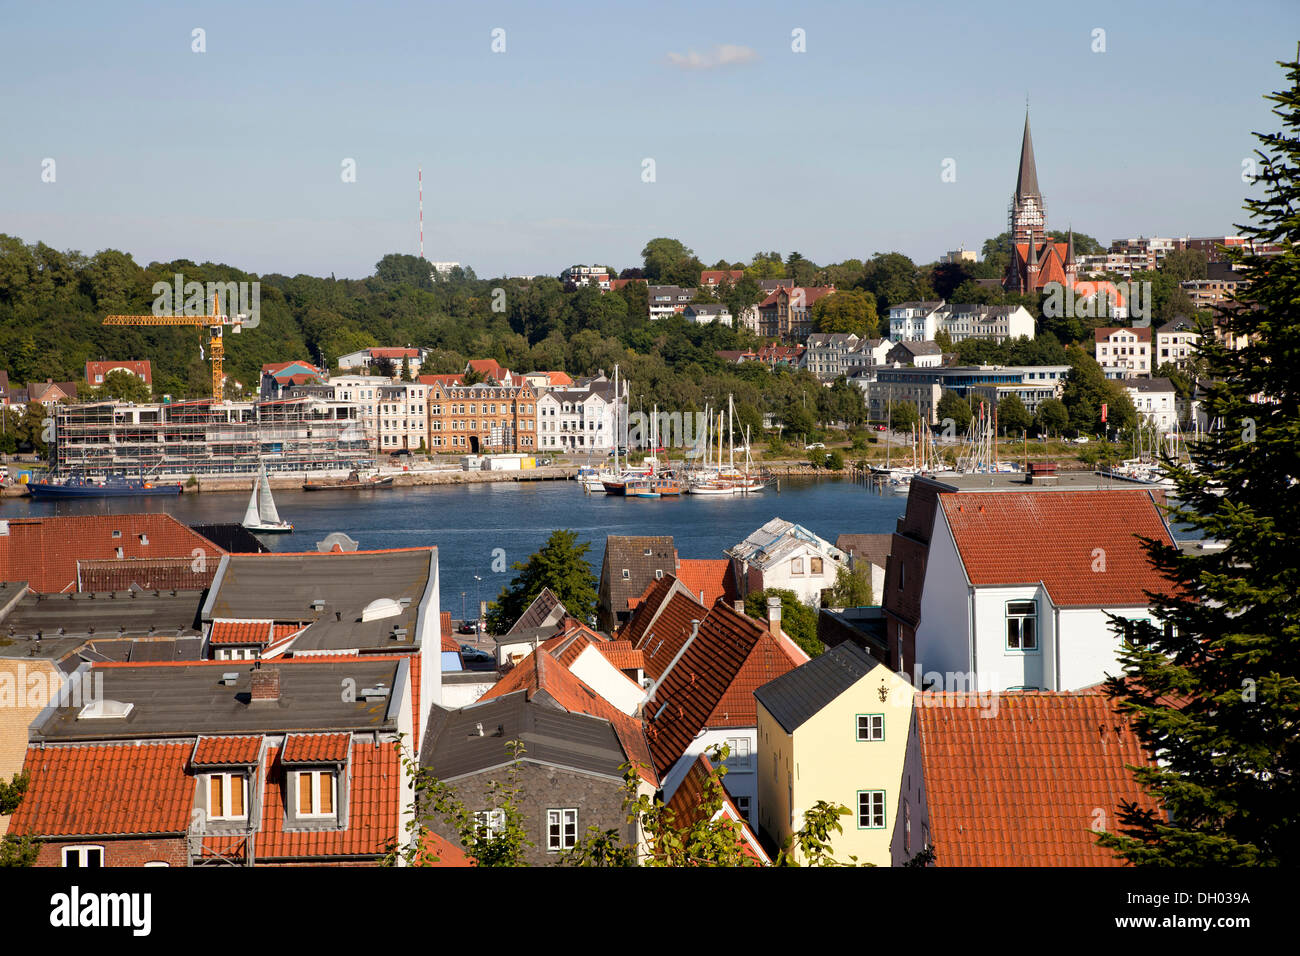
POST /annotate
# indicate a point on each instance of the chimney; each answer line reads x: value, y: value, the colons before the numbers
x: 774, y: 615
x: 739, y: 606
x: 265, y: 686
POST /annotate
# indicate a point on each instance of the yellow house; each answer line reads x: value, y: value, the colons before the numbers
x: 835, y: 729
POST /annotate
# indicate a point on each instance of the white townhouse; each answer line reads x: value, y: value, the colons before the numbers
x: 914, y: 321
x: 1123, y: 352
x: 1155, y: 401
x: 782, y: 554
x: 403, y: 416
x: 362, y: 391
x: 1016, y: 587
x: 576, y: 420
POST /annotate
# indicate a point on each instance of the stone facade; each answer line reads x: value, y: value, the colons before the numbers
x: 598, y: 800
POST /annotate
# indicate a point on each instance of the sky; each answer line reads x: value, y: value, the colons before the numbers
x: 535, y: 154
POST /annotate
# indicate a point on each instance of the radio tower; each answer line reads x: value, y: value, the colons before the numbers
x: 420, y: 181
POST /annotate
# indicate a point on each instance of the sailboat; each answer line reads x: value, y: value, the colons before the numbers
x: 262, y: 516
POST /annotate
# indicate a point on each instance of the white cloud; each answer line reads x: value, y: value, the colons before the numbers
x: 724, y: 54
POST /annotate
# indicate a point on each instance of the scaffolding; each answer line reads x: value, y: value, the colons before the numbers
x: 210, y: 438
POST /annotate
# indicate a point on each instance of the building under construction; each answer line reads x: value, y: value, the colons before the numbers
x: 208, y: 437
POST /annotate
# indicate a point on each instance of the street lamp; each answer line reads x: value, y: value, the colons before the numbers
x: 478, y: 599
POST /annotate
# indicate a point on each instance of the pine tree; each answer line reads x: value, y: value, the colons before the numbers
x: 1213, y: 692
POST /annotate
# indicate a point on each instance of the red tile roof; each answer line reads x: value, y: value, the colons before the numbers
x: 449, y: 644
x: 316, y: 748
x: 93, y: 789
x: 1082, y: 545
x: 707, y: 575
x: 140, y: 368
x: 393, y: 353
x: 662, y: 623
x: 375, y: 782
x: 226, y: 751
x: 415, y: 701
x: 622, y: 655
x: 44, y: 551
x: 446, y: 852
x: 1025, y: 786
x: 242, y: 632
x: 712, y: 684
x: 688, y: 799
x: 439, y: 379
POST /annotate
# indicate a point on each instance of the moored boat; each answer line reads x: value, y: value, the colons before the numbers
x: 114, y: 486
x: 262, y: 517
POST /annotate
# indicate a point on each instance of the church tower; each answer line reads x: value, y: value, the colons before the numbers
x: 1027, y: 217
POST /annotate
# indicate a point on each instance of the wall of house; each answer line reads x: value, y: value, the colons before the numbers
x: 942, y: 634
x: 1089, y: 648
x: 1000, y: 668
x: 430, y: 643
x: 122, y: 852
x: 741, y: 780
x: 595, y: 670
x: 598, y: 800
x: 774, y: 777
x: 911, y: 830
x: 25, y: 688
x: 805, y: 584
x: 831, y: 764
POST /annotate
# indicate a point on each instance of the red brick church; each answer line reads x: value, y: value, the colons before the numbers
x: 1035, y: 259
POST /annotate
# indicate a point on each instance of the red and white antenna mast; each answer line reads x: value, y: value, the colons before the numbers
x: 420, y: 180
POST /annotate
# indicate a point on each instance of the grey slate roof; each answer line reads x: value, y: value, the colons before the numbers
x: 1149, y: 384
x: 794, y: 698
x: 872, y: 548
x: 282, y: 587
x: 629, y: 551
x: 545, y: 611
x: 187, y: 700
x: 111, y: 614
x: 551, y: 736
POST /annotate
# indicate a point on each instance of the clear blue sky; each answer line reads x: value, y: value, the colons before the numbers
x: 532, y: 157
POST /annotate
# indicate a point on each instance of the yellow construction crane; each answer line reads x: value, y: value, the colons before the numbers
x: 214, y: 322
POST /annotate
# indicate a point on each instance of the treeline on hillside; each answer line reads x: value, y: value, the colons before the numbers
x: 52, y: 305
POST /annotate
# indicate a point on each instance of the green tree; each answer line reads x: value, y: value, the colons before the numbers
x: 903, y: 416
x: 501, y: 845
x: 951, y: 405
x: 560, y: 565
x: 850, y: 311
x: 798, y: 620
x: 11, y: 794
x: 1012, y: 414
x: 1213, y: 687
x: 1185, y: 264
x: 124, y: 386
x: 835, y: 460
x: 406, y: 369
x: 943, y: 340
x: 1052, y: 416
x: 669, y: 262
x: 852, y: 586
x: 18, y: 850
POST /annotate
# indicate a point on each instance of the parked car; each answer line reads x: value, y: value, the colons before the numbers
x: 543, y: 462
x: 469, y: 627
x: 815, y: 445
x: 472, y: 655
x: 881, y: 428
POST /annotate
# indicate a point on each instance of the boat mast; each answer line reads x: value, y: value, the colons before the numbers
x: 616, y: 418
x: 731, y: 441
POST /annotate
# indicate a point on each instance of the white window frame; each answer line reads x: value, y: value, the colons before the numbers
x: 875, y: 728
x: 313, y: 780
x: 227, y: 780
x: 875, y: 810
x: 1021, y: 616
x: 81, y: 852
x: 561, y: 829
x: 490, y: 823
x: 740, y: 756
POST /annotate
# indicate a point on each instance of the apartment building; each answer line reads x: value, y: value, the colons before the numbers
x: 1123, y: 352
x: 469, y: 419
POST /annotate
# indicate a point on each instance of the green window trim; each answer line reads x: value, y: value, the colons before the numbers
x: 884, y: 813
x: 869, y: 740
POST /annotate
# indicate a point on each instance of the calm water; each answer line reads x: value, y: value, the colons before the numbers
x: 467, y: 522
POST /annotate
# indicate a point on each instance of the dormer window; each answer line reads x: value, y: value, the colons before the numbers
x: 227, y: 796
x: 317, y: 793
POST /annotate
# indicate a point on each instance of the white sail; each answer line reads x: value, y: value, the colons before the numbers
x: 250, y: 516
x: 266, y: 504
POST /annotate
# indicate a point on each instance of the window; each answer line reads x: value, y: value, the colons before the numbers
x: 659, y: 573
x: 316, y: 793
x: 871, y: 809
x: 1022, y: 631
x: 226, y: 793
x: 742, y: 804
x: 796, y: 565
x: 83, y: 856
x: 815, y: 565
x: 490, y: 823
x: 738, y: 754
x: 561, y: 829
x: 902, y: 568
x: 871, y: 727
x: 626, y: 574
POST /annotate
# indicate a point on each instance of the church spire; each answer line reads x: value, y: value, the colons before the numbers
x: 1069, y: 249
x: 1027, y: 180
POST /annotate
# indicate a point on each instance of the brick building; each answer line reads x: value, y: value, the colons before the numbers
x: 470, y: 419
